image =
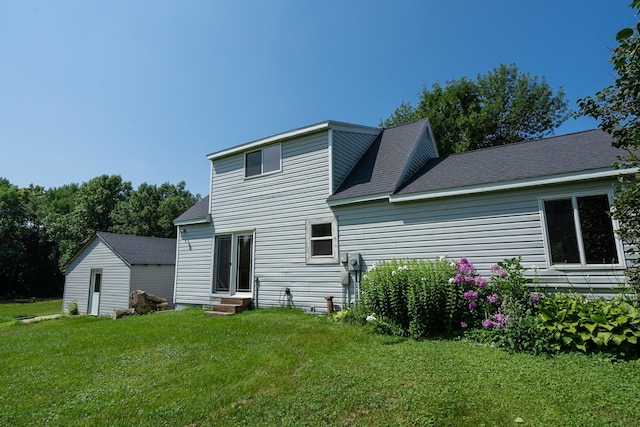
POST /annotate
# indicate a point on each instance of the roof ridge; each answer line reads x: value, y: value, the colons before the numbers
x: 405, y: 124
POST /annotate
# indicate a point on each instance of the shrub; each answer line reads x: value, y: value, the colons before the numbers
x: 520, y: 333
x: 591, y: 325
x: 486, y: 298
x: 73, y: 307
x: 413, y: 297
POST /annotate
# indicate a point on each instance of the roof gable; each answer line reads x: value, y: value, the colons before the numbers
x: 137, y: 250
x: 387, y: 162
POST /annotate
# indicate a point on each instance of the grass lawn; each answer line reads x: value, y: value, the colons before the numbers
x: 40, y: 308
x: 282, y: 367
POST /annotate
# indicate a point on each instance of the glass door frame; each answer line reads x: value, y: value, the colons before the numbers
x: 235, y: 261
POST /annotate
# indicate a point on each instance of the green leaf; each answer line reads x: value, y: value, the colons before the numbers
x: 561, y: 315
x: 605, y: 336
x: 590, y: 327
x: 618, y: 339
x: 624, y: 34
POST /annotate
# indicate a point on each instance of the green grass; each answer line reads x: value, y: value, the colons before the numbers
x: 285, y: 368
x: 26, y: 309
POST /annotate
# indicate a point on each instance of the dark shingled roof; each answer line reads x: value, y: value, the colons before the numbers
x: 381, y: 167
x: 141, y: 250
x: 198, y: 211
x: 572, y: 153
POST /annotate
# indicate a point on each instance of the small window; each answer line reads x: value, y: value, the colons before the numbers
x: 263, y: 161
x: 580, y: 230
x: 322, y: 241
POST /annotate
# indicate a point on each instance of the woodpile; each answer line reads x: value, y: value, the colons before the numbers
x: 141, y: 302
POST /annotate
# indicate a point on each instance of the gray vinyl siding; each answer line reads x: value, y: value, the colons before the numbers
x: 276, y: 208
x: 194, y: 265
x: 348, y: 148
x: 483, y: 228
x: 153, y: 279
x: 425, y: 150
x: 115, y: 279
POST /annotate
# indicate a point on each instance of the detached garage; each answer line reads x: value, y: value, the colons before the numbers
x: 102, y: 275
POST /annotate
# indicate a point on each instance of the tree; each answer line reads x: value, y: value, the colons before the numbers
x: 150, y: 210
x: 501, y: 107
x: 618, y: 109
x: 92, y: 207
x: 28, y: 265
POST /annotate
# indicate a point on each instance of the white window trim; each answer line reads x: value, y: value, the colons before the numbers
x: 261, y: 150
x: 322, y: 259
x: 582, y: 265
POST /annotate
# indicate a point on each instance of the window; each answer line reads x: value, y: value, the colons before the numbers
x: 580, y: 231
x: 262, y: 161
x: 322, y: 241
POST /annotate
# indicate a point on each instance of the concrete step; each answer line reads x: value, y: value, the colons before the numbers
x: 244, y: 302
x: 229, y: 306
x: 214, y: 313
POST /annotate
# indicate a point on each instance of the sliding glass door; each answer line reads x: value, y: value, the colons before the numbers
x: 233, y: 263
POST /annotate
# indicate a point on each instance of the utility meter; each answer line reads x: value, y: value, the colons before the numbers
x: 354, y: 262
x: 344, y: 278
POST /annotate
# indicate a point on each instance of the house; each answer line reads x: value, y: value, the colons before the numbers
x: 102, y: 275
x: 293, y: 216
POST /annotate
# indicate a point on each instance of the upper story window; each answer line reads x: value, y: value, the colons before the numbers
x: 579, y: 230
x: 262, y: 161
x: 322, y: 241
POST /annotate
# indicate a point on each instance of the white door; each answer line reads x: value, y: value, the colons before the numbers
x: 94, y: 294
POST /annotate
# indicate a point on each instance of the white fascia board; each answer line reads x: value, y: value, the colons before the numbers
x: 329, y: 124
x: 204, y: 220
x: 270, y: 139
x: 358, y: 199
x: 524, y: 183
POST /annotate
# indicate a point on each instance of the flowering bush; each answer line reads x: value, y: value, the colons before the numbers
x: 413, y: 297
x: 502, y: 310
x: 485, y: 298
x: 426, y: 298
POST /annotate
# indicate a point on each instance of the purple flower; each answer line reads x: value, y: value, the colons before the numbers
x: 464, y: 267
x: 458, y: 278
x: 473, y: 305
x: 492, y: 298
x: 481, y: 283
x: 463, y: 325
x: 487, y: 324
x: 535, y: 299
x: 496, y: 270
x: 470, y: 295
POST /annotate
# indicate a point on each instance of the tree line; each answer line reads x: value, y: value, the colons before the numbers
x: 42, y: 229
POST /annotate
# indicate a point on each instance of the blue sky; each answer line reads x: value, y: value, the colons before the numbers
x: 145, y: 89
